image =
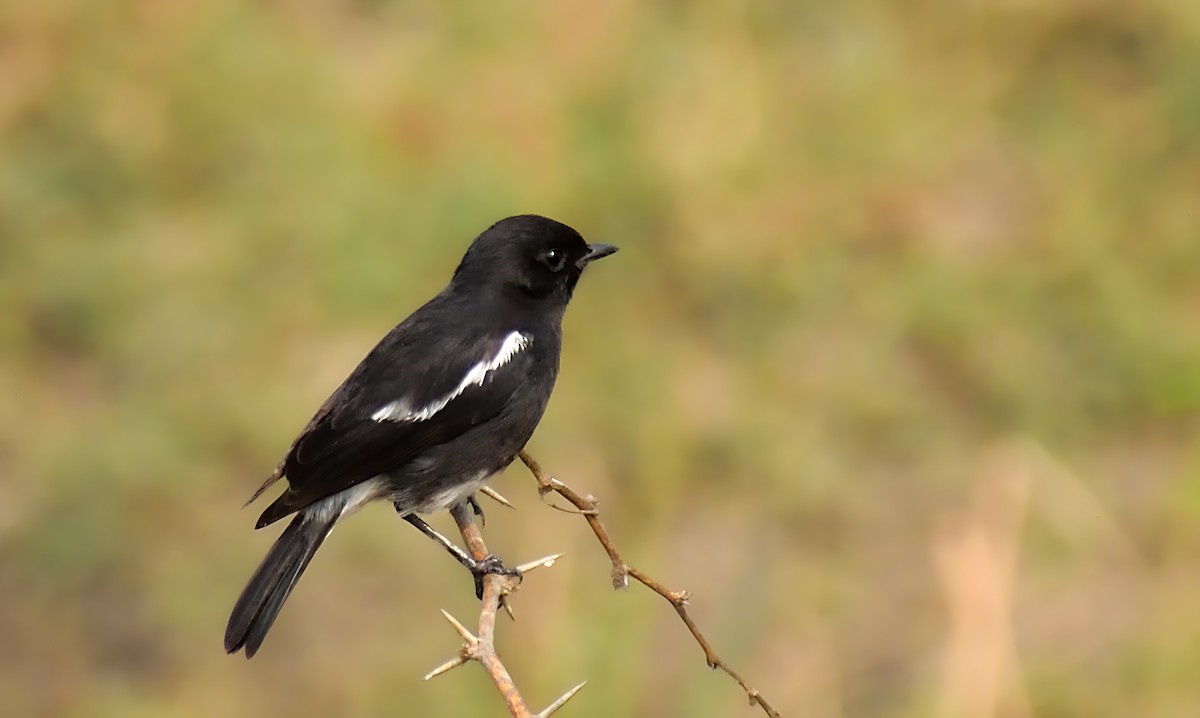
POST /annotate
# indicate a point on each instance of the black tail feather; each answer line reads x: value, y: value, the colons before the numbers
x: 272, y: 583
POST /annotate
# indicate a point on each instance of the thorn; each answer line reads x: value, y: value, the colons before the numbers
x: 494, y: 495
x: 447, y: 666
x: 462, y: 630
x: 561, y: 701
x: 571, y: 510
x: 546, y: 562
x: 508, y: 609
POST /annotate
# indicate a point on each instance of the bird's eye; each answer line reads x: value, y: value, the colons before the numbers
x: 554, y: 259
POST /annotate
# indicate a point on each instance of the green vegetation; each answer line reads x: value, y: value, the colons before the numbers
x: 906, y: 291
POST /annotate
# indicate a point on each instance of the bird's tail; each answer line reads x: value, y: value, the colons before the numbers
x: 272, y: 583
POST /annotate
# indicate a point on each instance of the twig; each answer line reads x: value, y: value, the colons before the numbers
x: 481, y: 647
x: 588, y: 506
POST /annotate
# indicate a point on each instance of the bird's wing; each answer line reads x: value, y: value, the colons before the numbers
x: 408, y: 395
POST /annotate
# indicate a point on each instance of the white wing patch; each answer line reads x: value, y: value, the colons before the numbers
x: 401, y: 410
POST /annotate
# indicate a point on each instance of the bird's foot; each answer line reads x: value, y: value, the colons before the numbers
x: 491, y: 564
x: 478, y: 567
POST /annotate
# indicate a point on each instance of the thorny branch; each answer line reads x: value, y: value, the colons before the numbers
x: 481, y: 646
x: 621, y: 571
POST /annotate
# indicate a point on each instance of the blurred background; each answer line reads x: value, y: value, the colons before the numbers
x: 896, y: 371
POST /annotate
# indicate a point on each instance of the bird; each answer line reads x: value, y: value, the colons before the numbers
x: 445, y: 400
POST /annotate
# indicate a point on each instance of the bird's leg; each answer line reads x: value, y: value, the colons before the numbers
x: 478, y: 568
x: 442, y: 541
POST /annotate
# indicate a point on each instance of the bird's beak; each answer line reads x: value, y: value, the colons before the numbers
x: 595, y: 251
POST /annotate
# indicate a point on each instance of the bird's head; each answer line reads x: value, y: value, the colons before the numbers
x: 531, y: 255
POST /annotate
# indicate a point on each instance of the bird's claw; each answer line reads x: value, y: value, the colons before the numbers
x: 489, y: 564
x: 477, y: 509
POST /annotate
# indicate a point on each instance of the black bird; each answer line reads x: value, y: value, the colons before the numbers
x: 444, y: 401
